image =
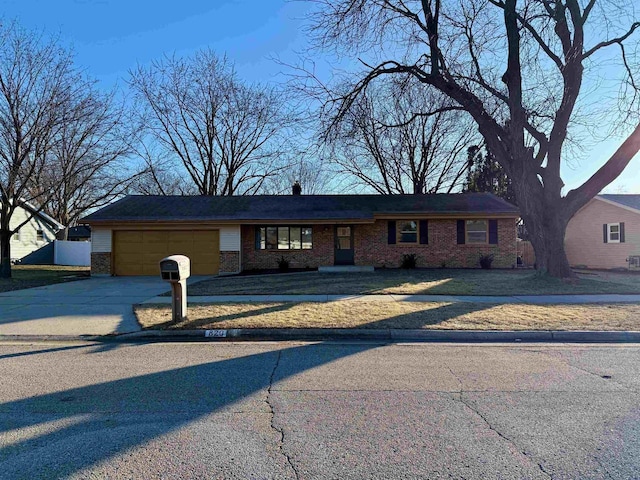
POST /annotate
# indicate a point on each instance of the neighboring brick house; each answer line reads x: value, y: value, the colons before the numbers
x: 605, y: 233
x: 226, y: 235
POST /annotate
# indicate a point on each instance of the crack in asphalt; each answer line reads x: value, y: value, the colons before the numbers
x: 460, y: 399
x: 272, y: 413
x: 598, y: 375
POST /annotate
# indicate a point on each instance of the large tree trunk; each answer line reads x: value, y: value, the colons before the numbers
x: 5, y: 254
x: 547, y: 238
x: 545, y: 216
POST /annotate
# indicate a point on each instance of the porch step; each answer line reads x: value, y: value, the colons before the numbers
x: 344, y: 268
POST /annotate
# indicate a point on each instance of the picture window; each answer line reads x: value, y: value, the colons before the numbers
x: 285, y: 238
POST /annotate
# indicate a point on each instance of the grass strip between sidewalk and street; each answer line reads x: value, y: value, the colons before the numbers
x: 397, y: 315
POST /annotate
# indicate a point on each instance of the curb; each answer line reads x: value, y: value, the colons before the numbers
x: 338, y: 334
x: 390, y: 335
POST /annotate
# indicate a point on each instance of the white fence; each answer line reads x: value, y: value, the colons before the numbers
x: 72, y: 253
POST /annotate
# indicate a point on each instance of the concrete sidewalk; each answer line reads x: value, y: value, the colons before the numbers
x: 532, y: 299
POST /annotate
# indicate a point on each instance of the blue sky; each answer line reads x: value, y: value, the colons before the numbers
x: 112, y: 36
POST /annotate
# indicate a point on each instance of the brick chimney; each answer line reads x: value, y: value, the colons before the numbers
x: 296, y: 189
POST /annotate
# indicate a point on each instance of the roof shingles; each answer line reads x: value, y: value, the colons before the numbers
x: 294, y: 207
x: 628, y: 200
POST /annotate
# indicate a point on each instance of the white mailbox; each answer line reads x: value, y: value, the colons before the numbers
x: 176, y: 269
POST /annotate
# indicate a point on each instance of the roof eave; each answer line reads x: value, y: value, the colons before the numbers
x: 616, y: 204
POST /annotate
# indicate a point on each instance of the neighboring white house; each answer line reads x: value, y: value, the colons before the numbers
x: 38, y: 232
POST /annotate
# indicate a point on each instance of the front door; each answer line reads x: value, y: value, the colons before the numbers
x: 344, y: 246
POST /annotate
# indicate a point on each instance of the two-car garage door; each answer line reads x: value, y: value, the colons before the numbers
x: 138, y: 252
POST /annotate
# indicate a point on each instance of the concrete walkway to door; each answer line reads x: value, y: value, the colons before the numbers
x: 98, y: 306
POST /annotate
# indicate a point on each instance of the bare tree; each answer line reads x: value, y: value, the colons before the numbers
x: 395, y: 139
x: 159, y: 177
x: 227, y: 137
x: 37, y: 82
x: 308, y: 169
x: 526, y: 71
x: 85, y: 167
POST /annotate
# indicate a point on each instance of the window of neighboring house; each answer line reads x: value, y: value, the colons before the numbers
x: 408, y: 231
x: 476, y: 231
x: 39, y: 235
x: 284, y: 238
x: 613, y: 232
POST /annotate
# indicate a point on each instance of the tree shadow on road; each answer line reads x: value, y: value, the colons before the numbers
x: 101, y: 421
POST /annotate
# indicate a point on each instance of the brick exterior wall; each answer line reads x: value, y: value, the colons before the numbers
x: 320, y: 254
x: 100, y: 263
x: 229, y: 262
x: 371, y: 248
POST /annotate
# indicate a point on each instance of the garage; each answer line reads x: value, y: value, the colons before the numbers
x: 137, y: 252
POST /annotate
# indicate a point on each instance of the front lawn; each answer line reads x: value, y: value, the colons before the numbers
x: 28, y: 276
x: 369, y: 314
x: 418, y: 281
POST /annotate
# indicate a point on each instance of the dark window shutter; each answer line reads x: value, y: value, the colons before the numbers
x: 604, y: 233
x: 258, y: 238
x: 493, y: 232
x: 424, y: 232
x: 621, y: 232
x: 460, y: 228
x: 391, y: 232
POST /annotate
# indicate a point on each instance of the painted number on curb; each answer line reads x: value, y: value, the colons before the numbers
x: 215, y: 333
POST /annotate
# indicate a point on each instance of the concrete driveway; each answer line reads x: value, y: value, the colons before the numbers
x: 98, y: 306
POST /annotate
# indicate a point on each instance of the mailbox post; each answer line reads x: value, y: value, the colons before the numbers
x: 176, y: 269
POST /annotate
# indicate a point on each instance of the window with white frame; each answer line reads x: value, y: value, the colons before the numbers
x: 613, y: 232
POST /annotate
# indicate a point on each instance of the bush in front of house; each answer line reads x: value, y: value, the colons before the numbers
x: 486, y: 261
x: 408, y: 260
x: 283, y: 264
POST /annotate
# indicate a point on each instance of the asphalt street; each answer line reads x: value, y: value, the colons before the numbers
x: 316, y: 411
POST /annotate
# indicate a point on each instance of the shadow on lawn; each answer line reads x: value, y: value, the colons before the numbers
x: 92, y: 431
x: 411, y: 320
x: 431, y: 316
x: 196, y: 324
x: 422, y: 281
x: 419, y: 282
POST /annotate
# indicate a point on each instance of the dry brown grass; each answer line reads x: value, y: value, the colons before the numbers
x: 29, y: 276
x: 419, y: 281
x: 413, y: 315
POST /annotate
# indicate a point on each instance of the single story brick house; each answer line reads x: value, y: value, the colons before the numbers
x: 605, y: 233
x: 226, y: 235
